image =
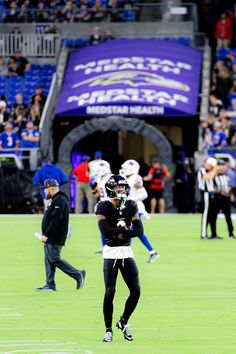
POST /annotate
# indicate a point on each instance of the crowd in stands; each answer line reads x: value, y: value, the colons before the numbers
x: 218, y: 131
x: 16, y: 11
x: 20, y: 114
x: 19, y: 122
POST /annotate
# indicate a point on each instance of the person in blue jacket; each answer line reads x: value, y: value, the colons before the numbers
x: 49, y: 171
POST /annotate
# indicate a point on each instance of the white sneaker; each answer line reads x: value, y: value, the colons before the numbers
x: 108, y: 337
x: 153, y: 257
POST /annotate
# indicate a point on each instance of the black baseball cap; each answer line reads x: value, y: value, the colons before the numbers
x: 50, y: 183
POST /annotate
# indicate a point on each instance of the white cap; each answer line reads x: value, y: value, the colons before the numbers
x: 3, y: 104
x: 211, y: 161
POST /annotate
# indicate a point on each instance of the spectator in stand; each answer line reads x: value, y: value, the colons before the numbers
x: 36, y: 111
x: 22, y: 64
x: 29, y: 136
x: 29, y: 139
x: 68, y: 12
x: 222, y: 84
x: 219, y: 139
x: 215, y: 105
x: 9, y: 139
x: 84, y: 13
x: 96, y: 36
x: 232, y: 108
x: 229, y: 129
x: 20, y: 121
x: 20, y: 107
x: 98, y: 11
x: 156, y: 176
x: 229, y: 60
x: 114, y: 11
x: 13, y: 70
x: 4, y: 115
x: 53, y: 13
x: 223, y: 31
x: 222, y: 114
x: 12, y: 14
x: 16, y: 43
x: 234, y: 70
x: 24, y: 15
x: 83, y: 189
x: 38, y: 92
x: 206, y: 128
x: 233, y: 90
x: 40, y: 14
x: 218, y: 66
x: 108, y: 35
x: 3, y: 67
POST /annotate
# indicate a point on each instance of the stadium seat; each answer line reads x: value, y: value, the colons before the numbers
x: 184, y: 41
x: 231, y: 96
x: 128, y: 15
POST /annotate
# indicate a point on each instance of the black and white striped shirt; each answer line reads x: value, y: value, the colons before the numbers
x: 222, y: 184
x: 205, y: 185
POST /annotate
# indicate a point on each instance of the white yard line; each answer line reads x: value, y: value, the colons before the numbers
x: 41, y: 346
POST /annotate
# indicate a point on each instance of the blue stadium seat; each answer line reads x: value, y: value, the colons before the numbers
x: 128, y: 15
x: 81, y: 42
x: 222, y: 52
x: 3, y: 83
x: 184, y: 41
x: 3, y: 79
x: 231, y: 96
x: 48, y: 66
x: 35, y: 67
x: 16, y: 79
x: 2, y: 91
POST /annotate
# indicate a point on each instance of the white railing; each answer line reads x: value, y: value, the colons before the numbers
x: 21, y: 157
x: 30, y: 44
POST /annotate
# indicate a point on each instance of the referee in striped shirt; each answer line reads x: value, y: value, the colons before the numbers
x: 222, y: 197
x: 206, y: 183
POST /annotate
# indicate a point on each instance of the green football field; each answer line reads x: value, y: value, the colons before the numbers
x: 188, y: 296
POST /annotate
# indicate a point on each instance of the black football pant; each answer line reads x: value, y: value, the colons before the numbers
x: 53, y: 260
x: 208, y: 215
x: 129, y: 272
x: 222, y: 203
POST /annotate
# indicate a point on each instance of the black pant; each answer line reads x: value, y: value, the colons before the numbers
x: 129, y: 272
x: 222, y: 203
x: 53, y: 260
x: 208, y: 215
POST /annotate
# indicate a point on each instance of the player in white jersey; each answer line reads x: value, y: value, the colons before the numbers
x: 137, y: 192
x: 101, y: 174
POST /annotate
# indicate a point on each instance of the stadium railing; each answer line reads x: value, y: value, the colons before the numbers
x: 29, y: 156
x: 30, y: 44
x: 195, y: 40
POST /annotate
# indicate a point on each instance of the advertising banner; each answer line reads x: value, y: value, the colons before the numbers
x: 131, y: 77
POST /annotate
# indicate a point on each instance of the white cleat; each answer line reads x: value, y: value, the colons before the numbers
x: 153, y: 257
x: 108, y: 337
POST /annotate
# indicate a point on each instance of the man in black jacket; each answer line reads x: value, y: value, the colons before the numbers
x: 54, y: 232
x: 118, y: 222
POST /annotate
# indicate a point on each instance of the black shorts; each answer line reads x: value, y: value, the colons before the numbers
x: 156, y: 193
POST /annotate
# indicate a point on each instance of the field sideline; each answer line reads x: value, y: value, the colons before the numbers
x: 188, y: 296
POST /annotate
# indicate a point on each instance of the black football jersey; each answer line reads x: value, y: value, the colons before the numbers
x: 114, y: 215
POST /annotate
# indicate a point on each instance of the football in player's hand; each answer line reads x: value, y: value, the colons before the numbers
x: 121, y: 223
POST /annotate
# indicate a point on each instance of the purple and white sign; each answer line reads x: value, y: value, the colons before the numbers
x: 131, y: 77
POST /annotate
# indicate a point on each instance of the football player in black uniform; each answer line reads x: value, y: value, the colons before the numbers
x: 118, y: 221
